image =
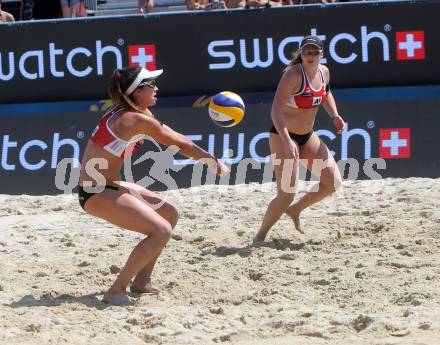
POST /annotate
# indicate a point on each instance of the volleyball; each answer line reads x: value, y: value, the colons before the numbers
x: 226, y: 109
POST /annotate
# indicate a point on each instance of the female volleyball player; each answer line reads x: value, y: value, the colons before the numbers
x: 303, y: 88
x: 127, y: 205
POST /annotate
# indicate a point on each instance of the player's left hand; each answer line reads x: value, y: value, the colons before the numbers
x: 222, y: 169
x: 339, y: 123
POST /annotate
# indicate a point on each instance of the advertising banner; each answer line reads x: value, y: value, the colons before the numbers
x: 366, y: 44
x: 391, y: 136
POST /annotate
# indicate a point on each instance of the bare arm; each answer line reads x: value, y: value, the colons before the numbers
x: 167, y: 136
x: 330, y: 105
x: 288, y: 82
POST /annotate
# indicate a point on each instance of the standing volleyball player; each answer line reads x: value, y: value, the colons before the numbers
x: 128, y: 205
x: 303, y: 88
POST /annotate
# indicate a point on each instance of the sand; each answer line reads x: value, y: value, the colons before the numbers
x: 366, y: 272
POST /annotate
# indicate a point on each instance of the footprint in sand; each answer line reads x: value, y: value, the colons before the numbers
x: 114, y: 269
x: 84, y: 264
x: 361, y: 322
x: 216, y: 310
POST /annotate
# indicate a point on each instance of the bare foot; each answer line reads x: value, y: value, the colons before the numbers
x: 294, y: 214
x: 143, y: 286
x: 144, y: 289
x: 257, y: 239
x: 119, y: 299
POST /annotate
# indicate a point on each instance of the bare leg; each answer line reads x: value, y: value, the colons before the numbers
x: 141, y: 6
x: 313, y: 196
x: 316, y: 194
x: 150, y: 5
x: 203, y: 4
x: 123, y: 209
x: 321, y: 163
x: 276, y: 208
x: 145, y: 251
x: 142, y: 280
x: 286, y: 175
x: 81, y: 11
x: 67, y: 11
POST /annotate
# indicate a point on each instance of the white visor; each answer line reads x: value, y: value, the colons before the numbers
x: 143, y: 74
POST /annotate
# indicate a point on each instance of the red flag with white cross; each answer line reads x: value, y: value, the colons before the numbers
x: 142, y: 56
x: 410, y: 45
x: 394, y: 143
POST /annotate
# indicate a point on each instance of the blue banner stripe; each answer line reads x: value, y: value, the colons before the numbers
x: 363, y: 94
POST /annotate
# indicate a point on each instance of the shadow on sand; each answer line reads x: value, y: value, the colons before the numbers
x: 279, y: 244
x: 49, y: 300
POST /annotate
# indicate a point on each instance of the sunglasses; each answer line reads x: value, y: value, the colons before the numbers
x: 150, y: 83
x: 312, y: 52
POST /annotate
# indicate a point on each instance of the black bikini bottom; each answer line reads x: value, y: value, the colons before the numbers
x: 300, y: 139
x: 83, y: 196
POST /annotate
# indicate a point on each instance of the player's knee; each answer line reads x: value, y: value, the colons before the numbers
x: 287, y: 189
x: 163, y: 232
x: 338, y: 183
x: 174, y: 216
x: 285, y: 198
x: 334, y: 184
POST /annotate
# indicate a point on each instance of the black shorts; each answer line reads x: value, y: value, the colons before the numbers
x: 83, y: 196
x: 300, y: 139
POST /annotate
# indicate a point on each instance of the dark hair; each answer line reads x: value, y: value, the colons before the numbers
x: 119, y: 83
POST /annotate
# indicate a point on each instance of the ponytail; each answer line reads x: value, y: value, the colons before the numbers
x: 119, y: 83
x: 296, y: 60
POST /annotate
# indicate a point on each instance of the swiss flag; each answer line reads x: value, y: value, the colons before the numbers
x: 394, y: 143
x: 142, y: 56
x: 410, y: 45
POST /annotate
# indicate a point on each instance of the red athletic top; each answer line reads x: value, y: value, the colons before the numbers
x: 308, y: 97
x: 104, y: 137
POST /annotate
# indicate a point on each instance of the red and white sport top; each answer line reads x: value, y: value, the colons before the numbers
x: 308, y: 97
x: 104, y: 137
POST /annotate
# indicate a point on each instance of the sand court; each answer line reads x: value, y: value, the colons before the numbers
x: 367, y: 270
